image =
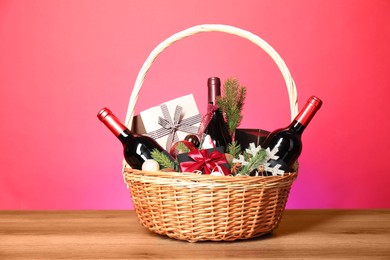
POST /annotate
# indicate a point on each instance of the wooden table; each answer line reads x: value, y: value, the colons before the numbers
x: 313, y: 234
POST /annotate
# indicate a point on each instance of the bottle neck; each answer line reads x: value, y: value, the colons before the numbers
x: 114, y: 124
x: 297, y: 127
x: 217, y: 115
x: 306, y: 114
x: 125, y: 135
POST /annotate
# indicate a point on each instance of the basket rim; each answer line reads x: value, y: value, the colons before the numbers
x: 205, y: 180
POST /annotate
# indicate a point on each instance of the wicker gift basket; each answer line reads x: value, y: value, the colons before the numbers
x: 197, y: 207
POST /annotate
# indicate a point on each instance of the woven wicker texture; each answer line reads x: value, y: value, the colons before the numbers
x: 196, y: 207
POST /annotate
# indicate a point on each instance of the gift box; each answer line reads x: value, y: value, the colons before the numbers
x: 206, y: 161
x: 171, y: 121
x: 246, y: 136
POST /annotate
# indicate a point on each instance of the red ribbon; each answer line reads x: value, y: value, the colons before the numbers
x: 206, y: 119
x: 205, y: 162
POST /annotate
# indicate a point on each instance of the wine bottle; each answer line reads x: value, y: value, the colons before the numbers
x: 136, y: 148
x: 288, y: 140
x: 217, y: 128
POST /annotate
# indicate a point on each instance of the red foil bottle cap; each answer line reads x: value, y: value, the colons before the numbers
x: 307, y: 113
x: 111, y: 121
x: 103, y: 113
x: 214, y: 89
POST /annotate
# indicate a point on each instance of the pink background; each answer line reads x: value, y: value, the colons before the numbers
x: 62, y: 61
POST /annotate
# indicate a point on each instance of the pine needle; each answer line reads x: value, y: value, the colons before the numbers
x: 162, y: 159
x: 254, y: 162
x: 231, y: 104
x: 234, y: 149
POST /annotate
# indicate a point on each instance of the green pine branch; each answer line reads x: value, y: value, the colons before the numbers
x: 162, y: 159
x: 234, y: 149
x: 254, y: 162
x: 231, y: 104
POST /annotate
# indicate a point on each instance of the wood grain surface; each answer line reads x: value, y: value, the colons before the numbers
x: 302, y: 234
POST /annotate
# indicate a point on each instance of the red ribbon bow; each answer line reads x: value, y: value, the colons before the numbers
x: 205, y: 161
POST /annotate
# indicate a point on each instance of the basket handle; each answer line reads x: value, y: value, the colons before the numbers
x: 292, y: 91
